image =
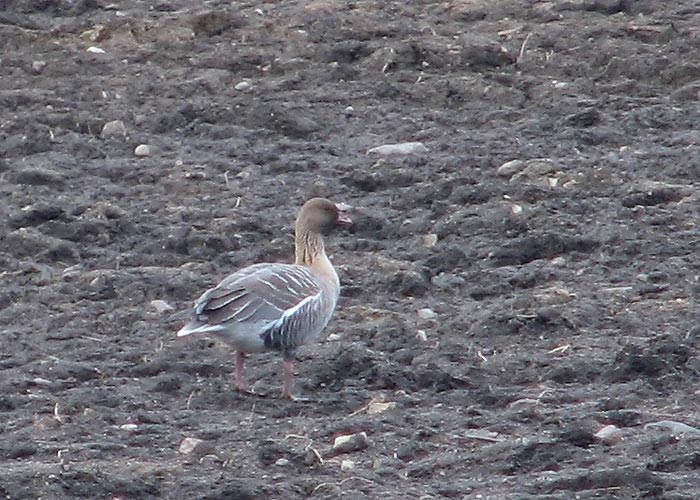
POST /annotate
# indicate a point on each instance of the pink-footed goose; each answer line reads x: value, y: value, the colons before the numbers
x: 274, y: 306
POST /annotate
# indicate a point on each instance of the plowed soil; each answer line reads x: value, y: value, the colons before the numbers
x: 527, y: 280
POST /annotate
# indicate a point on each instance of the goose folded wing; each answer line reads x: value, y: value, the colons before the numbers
x: 262, y: 296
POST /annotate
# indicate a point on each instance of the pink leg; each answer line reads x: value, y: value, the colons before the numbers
x: 239, y: 377
x: 288, y: 378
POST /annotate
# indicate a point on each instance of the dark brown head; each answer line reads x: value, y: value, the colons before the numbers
x: 321, y: 215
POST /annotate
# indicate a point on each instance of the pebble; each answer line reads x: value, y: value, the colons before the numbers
x: 378, y: 407
x: 142, y: 150
x: 188, y: 445
x: 95, y: 50
x: 402, y: 149
x: 554, y: 295
x: 537, y: 168
x: 348, y: 443
x: 282, y: 462
x: 346, y: 465
x: 427, y: 313
x: 161, y: 306
x: 115, y: 128
x: 430, y: 240
x: 129, y: 427
x: 38, y: 66
x: 242, y: 86
x: 510, y: 167
x: 421, y: 336
x: 609, y: 434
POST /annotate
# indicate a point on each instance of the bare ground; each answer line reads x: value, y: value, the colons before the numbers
x: 564, y: 283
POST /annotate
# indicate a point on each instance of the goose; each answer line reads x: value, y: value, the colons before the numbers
x: 276, y: 306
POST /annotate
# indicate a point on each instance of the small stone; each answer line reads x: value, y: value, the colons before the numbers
x: 378, y: 407
x: 161, y: 306
x: 554, y: 295
x: 349, y: 111
x: 421, y: 336
x: 115, y: 128
x: 189, y: 445
x: 346, y: 465
x: 95, y: 50
x: 38, y: 66
x: 282, y: 462
x: 142, y: 150
x: 609, y: 434
x: 535, y: 169
x: 402, y: 149
x: 129, y: 427
x: 510, y: 167
x: 348, y: 443
x: 242, y: 86
x: 430, y: 240
x: 110, y: 211
x: 427, y: 313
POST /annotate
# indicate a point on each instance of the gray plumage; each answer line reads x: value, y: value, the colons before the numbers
x: 264, y: 307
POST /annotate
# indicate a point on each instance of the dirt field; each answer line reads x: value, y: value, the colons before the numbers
x: 527, y: 280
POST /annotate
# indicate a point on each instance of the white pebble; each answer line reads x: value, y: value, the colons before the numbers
x: 346, y: 465
x: 402, y: 149
x: 421, y: 336
x: 38, y: 66
x: 350, y: 442
x: 161, y: 306
x: 188, y: 445
x: 378, y: 407
x: 142, y: 150
x: 430, y: 240
x: 427, y: 313
x: 282, y: 462
x: 95, y: 50
x: 609, y: 434
x: 510, y: 167
x: 242, y: 86
x: 115, y: 128
x: 129, y: 427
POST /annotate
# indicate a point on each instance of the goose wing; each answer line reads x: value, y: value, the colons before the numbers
x: 261, y: 296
